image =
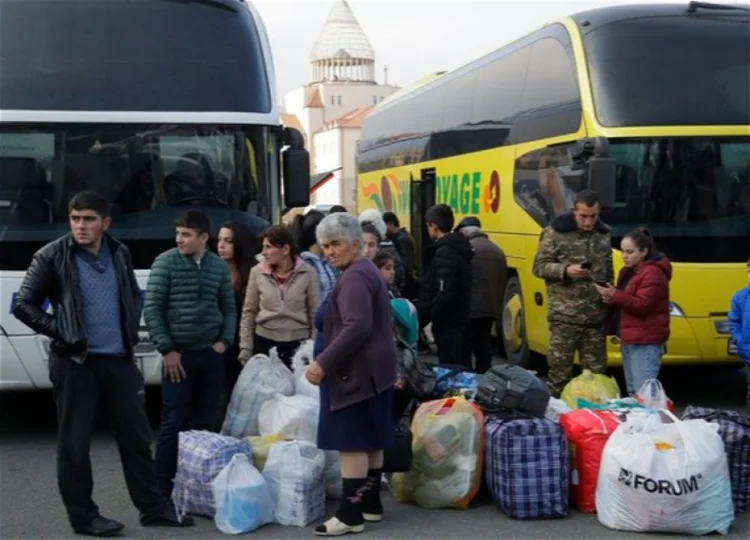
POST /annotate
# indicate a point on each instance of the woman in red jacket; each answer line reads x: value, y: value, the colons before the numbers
x: 642, y: 302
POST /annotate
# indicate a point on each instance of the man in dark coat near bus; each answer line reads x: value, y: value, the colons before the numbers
x: 489, y: 278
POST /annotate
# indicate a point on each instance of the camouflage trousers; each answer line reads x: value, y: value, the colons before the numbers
x: 564, y: 341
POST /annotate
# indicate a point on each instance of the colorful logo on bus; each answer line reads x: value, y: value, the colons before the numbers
x: 468, y: 193
x: 391, y: 195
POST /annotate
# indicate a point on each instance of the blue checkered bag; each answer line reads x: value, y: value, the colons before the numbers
x: 734, y: 429
x: 526, y: 467
x: 202, y: 455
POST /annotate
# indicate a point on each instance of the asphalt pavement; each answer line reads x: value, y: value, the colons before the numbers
x: 30, y: 505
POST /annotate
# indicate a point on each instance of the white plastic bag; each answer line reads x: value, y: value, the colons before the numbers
x: 555, y: 409
x: 260, y: 379
x: 243, y: 500
x: 652, y: 396
x: 302, y: 358
x: 665, y: 477
x: 294, y: 474
x: 292, y: 417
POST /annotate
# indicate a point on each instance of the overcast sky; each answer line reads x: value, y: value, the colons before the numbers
x: 412, y: 37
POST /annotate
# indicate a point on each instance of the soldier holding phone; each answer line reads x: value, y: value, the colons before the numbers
x: 575, y: 252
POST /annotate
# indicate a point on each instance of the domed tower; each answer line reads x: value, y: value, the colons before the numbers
x: 342, y: 51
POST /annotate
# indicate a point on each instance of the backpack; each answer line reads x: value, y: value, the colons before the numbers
x: 420, y: 378
x: 511, y: 390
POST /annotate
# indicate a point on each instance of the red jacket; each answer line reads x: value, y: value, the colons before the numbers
x: 644, y: 302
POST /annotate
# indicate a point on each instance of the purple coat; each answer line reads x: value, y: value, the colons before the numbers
x: 360, y: 355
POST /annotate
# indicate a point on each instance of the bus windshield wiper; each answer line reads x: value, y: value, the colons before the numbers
x: 220, y: 4
x: 695, y: 6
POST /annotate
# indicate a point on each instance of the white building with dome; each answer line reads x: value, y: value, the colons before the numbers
x: 330, y: 110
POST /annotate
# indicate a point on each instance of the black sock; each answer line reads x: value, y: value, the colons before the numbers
x: 350, y: 510
x: 371, y: 503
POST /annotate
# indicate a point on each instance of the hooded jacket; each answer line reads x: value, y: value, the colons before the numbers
x: 562, y: 244
x: 445, y: 295
x: 643, y: 299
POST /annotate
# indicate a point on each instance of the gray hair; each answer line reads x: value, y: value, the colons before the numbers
x: 470, y: 230
x: 339, y: 226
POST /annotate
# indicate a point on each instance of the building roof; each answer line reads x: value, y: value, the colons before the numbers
x: 352, y: 119
x: 315, y: 101
x: 291, y: 120
x: 342, y: 37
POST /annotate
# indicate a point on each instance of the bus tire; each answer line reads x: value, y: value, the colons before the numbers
x: 514, y: 325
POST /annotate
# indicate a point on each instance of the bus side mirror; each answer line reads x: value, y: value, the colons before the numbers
x: 295, y: 166
x: 594, y: 158
x: 600, y: 173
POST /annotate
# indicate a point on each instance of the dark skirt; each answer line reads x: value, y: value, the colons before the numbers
x: 366, y: 426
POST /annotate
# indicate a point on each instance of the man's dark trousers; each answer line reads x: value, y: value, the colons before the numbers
x: 479, y: 343
x: 450, y: 339
x: 188, y: 404
x: 80, y: 389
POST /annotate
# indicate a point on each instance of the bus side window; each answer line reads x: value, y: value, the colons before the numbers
x: 22, y: 193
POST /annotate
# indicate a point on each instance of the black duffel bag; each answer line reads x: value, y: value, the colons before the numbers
x: 397, y: 458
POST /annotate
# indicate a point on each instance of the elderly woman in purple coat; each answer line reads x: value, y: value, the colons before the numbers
x: 356, y: 372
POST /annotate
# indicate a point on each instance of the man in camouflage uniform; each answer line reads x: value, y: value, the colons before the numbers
x: 575, y: 252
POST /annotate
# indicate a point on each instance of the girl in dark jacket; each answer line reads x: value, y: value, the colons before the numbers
x: 642, y: 302
x: 237, y: 246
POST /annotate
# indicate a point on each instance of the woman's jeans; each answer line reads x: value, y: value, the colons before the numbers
x: 747, y: 376
x: 640, y: 363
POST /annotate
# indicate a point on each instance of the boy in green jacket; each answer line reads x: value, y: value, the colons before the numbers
x: 191, y: 316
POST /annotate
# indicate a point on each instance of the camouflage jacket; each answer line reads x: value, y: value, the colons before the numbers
x: 574, y: 301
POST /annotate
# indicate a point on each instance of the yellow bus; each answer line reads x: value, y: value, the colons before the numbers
x: 659, y: 92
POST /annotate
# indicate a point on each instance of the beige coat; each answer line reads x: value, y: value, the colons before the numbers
x: 286, y: 315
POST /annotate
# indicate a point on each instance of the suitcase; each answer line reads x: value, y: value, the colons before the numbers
x: 527, y: 467
x: 734, y: 429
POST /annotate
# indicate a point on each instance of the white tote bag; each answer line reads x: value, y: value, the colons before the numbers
x: 665, y: 477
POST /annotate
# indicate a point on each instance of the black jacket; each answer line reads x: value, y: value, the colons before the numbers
x: 445, y: 294
x: 52, y: 275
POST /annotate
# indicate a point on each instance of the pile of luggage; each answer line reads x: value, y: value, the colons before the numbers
x: 632, y: 461
x: 264, y: 467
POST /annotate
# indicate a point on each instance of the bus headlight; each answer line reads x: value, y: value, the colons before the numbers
x: 675, y: 310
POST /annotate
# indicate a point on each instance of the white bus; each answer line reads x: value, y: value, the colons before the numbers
x: 160, y: 106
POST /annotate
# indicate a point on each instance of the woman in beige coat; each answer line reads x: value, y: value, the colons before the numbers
x: 281, y: 300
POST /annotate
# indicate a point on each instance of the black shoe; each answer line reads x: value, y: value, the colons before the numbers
x: 168, y: 518
x: 101, y: 527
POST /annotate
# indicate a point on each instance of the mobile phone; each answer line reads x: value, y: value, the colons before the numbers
x: 586, y: 265
x: 602, y: 283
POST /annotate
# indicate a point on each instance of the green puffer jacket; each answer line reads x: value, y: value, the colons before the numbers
x: 189, y: 307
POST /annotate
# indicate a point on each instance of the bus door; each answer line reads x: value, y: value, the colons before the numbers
x: 422, y: 198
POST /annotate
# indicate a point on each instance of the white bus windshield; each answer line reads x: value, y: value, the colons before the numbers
x: 150, y: 174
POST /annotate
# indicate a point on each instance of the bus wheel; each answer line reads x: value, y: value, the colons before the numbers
x: 514, y: 326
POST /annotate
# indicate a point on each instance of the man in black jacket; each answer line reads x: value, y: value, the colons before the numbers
x: 445, y: 294
x: 88, y: 278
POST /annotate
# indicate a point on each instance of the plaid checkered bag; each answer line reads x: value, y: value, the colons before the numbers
x: 527, y: 467
x: 734, y: 429
x: 201, y: 457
